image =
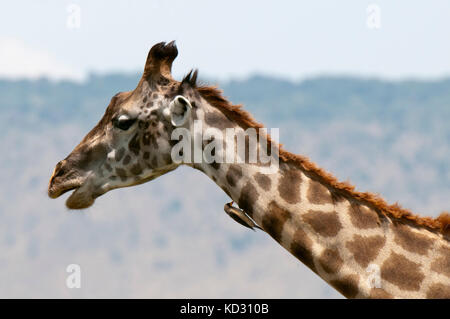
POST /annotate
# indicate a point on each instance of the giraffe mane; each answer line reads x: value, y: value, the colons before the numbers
x: 235, y: 112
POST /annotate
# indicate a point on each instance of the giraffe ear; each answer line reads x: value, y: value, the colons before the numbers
x: 159, y: 61
x: 179, y: 111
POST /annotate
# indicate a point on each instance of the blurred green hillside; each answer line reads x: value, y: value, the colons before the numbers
x: 312, y: 101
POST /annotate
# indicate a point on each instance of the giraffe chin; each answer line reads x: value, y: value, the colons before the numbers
x: 79, y: 200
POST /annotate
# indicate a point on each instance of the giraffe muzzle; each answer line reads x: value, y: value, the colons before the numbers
x: 62, y: 180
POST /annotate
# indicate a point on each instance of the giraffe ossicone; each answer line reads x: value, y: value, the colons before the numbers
x: 355, y: 241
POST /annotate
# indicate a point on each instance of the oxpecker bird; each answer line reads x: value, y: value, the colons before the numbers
x: 240, y: 216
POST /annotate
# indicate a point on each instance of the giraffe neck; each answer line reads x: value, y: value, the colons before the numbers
x: 357, y: 250
x: 353, y: 246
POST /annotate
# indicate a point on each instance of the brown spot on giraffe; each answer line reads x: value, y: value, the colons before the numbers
x: 122, y: 174
x: 325, y: 224
x: 136, y: 169
x: 225, y: 189
x: 411, y: 241
x: 441, y: 264
x: 365, y: 249
x: 289, y: 186
x: 167, y: 159
x: 330, y: 260
x: 337, y: 197
x: 215, y: 165
x: 438, y: 291
x: 127, y: 160
x: 263, y: 181
x: 146, y: 139
x: 233, y: 175
x: 119, y: 154
x: 143, y: 125
x: 134, y: 145
x: 247, y: 158
x: 301, y: 248
x: 402, y: 272
x: 379, y: 293
x: 363, y: 217
x: 218, y: 120
x: 274, y: 220
x: 154, y: 162
x: 348, y: 286
x: 318, y: 194
x: 248, y: 197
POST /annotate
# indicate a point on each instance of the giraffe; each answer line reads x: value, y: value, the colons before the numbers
x: 355, y: 241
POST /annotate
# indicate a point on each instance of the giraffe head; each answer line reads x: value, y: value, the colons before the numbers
x: 131, y: 144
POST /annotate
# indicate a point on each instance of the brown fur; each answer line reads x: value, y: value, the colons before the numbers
x: 235, y: 112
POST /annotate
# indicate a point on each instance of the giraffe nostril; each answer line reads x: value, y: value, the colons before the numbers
x: 60, y: 172
x: 59, y: 169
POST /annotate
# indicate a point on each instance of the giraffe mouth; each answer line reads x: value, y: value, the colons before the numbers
x: 63, y: 181
x: 55, y: 190
x: 80, y: 198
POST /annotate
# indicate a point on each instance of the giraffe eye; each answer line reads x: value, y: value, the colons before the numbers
x: 123, y: 122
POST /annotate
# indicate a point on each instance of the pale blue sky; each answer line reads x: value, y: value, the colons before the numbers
x: 293, y: 39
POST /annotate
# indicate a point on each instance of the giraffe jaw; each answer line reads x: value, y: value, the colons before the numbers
x: 85, y: 194
x: 86, y: 190
x: 80, y: 199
